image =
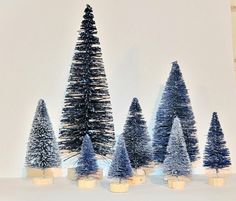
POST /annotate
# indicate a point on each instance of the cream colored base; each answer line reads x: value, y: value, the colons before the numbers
x: 137, y: 179
x: 216, y: 181
x: 116, y: 187
x: 148, y: 170
x: 55, y: 172
x: 42, y: 181
x: 140, y: 171
x: 47, y: 172
x: 71, y: 174
x: 87, y: 183
x: 181, y: 178
x: 176, y: 184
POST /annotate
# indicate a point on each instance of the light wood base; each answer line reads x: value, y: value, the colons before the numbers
x: 137, y: 179
x: 148, y: 170
x: 139, y: 171
x: 87, y: 183
x: 47, y: 172
x: 176, y: 184
x: 55, y: 172
x: 42, y: 181
x: 216, y: 181
x: 179, y: 178
x: 71, y: 174
x: 119, y: 187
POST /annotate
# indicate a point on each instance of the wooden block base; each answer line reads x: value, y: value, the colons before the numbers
x: 87, y: 183
x: 216, y: 181
x: 55, y: 172
x: 42, y: 181
x: 176, y: 184
x: 47, y: 172
x: 117, y: 187
x: 140, y: 171
x: 71, y: 174
x: 137, y: 179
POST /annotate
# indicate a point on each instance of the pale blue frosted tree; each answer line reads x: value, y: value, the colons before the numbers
x: 177, y: 162
x: 120, y: 166
x: 87, y: 163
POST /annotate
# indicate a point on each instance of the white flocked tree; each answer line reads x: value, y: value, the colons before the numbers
x: 42, y: 150
x: 177, y: 162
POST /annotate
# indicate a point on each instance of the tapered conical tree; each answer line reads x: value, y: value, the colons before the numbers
x: 177, y: 162
x: 42, y: 150
x: 87, y: 163
x: 175, y: 102
x: 216, y: 154
x: 136, y: 137
x: 120, y: 166
x: 87, y: 106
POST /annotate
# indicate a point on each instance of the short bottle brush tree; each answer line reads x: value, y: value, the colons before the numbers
x: 87, y: 163
x: 120, y: 169
x: 87, y: 107
x: 175, y: 101
x: 42, y: 150
x: 136, y: 137
x: 216, y: 154
x: 120, y: 166
x: 177, y: 162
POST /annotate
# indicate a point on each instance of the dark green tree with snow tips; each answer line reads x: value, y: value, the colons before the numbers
x: 175, y: 102
x: 87, y: 107
x: 216, y: 154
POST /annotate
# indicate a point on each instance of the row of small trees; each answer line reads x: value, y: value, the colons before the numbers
x: 87, y: 117
x: 133, y: 149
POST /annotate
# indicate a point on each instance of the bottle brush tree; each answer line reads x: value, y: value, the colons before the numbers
x: 136, y: 137
x: 120, y: 166
x: 216, y: 154
x: 174, y: 102
x: 42, y: 150
x: 86, y: 164
x: 177, y: 162
x: 87, y: 106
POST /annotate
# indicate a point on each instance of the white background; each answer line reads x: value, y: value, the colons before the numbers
x: 139, y: 40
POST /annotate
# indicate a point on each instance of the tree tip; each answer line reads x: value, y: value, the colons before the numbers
x: 214, y: 115
x: 135, y: 100
x: 88, y: 7
x: 175, y: 62
x: 41, y: 101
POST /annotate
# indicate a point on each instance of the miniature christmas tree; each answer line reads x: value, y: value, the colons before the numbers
x: 120, y: 167
x: 87, y: 106
x: 216, y: 154
x: 42, y: 151
x: 87, y: 163
x: 136, y: 137
x: 175, y: 102
x: 177, y: 162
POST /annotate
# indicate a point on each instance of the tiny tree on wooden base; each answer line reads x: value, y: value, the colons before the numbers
x: 177, y: 162
x: 42, y: 151
x: 120, y: 168
x: 216, y: 154
x: 86, y: 165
